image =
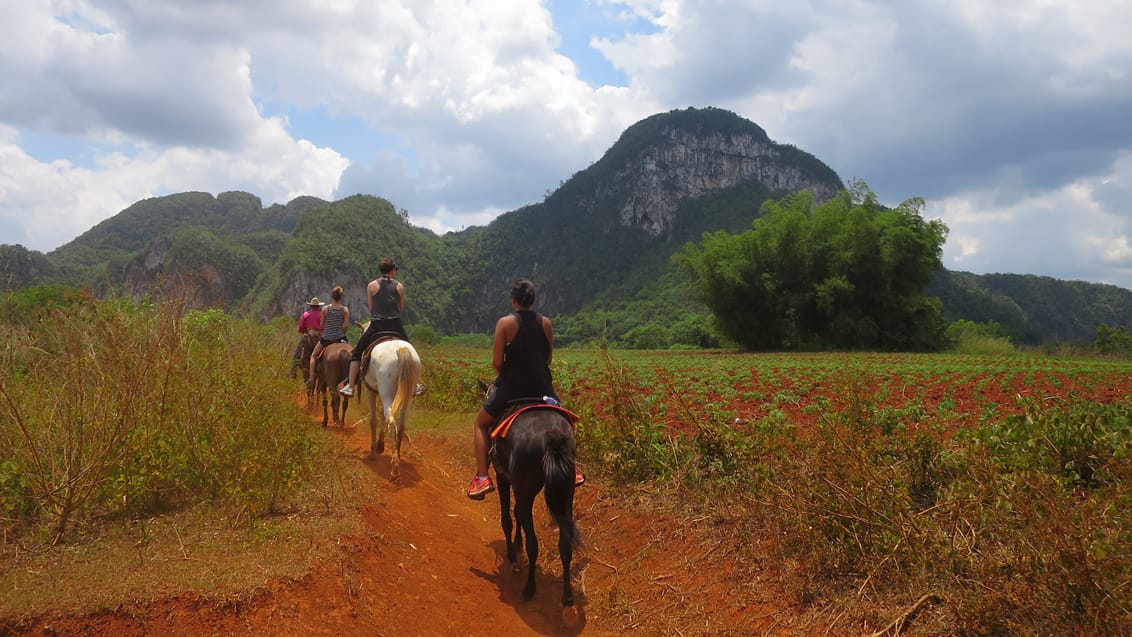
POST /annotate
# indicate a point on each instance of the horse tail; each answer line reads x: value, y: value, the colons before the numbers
x: 406, y: 381
x: 558, y: 471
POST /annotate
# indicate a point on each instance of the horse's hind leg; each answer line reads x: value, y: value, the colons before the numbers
x: 380, y: 444
x: 526, y: 521
x: 566, y: 553
x: 504, y: 488
x: 398, y: 438
x: 375, y: 448
x: 335, y: 404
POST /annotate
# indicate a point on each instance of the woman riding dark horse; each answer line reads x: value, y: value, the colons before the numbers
x: 521, y: 355
x: 310, y: 321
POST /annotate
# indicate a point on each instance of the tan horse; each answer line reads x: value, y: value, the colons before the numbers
x: 393, y: 371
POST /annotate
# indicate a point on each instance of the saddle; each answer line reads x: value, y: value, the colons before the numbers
x: 521, y: 405
x: 381, y: 338
x: 327, y: 348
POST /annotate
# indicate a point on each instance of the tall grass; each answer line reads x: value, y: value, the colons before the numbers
x: 1018, y: 526
x: 115, y: 408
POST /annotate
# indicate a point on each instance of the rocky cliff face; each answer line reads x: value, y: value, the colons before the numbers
x: 156, y: 272
x: 686, y: 165
x: 304, y: 285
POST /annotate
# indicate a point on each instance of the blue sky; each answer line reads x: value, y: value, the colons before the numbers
x: 1012, y: 119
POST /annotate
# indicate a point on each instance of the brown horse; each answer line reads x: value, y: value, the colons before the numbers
x: 310, y: 339
x: 331, y: 369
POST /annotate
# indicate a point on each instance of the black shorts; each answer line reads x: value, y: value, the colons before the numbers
x: 377, y: 329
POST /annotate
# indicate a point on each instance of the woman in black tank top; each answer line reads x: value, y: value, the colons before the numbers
x: 385, y: 297
x: 521, y: 354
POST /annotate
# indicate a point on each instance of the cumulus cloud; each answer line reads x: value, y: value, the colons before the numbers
x: 1009, y: 118
x: 46, y: 204
x: 492, y: 113
x: 1080, y: 231
x: 178, y: 113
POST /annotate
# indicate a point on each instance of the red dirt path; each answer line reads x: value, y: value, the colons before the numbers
x: 430, y: 562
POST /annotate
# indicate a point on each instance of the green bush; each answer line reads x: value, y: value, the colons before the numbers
x: 967, y: 337
x: 468, y: 340
x: 1113, y: 341
x: 624, y: 429
x: 423, y: 334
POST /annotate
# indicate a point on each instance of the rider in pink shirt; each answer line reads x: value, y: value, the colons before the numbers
x: 310, y: 320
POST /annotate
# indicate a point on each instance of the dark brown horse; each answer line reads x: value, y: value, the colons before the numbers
x: 310, y: 339
x: 331, y: 369
x: 537, y: 454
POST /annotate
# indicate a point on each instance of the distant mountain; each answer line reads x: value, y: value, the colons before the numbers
x: 667, y: 179
x: 178, y: 243
x: 598, y: 247
x: 1033, y: 309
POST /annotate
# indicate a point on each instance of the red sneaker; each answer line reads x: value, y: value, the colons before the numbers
x: 480, y: 487
x: 579, y: 479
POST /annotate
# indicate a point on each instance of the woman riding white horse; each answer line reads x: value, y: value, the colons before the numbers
x: 393, y: 371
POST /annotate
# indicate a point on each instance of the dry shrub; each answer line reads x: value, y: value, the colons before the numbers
x: 1020, y: 526
x: 112, y: 408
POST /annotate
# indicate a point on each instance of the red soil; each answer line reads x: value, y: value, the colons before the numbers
x: 431, y: 562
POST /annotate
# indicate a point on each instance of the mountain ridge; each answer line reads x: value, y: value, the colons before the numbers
x: 598, y: 247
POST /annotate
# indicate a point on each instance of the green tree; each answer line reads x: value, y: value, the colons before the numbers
x: 846, y: 274
x: 647, y: 336
x: 1113, y: 341
x: 696, y: 330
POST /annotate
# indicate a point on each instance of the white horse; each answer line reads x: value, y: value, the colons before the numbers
x: 393, y: 372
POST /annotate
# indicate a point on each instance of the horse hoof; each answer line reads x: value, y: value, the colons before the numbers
x: 381, y: 447
x: 515, y: 568
x: 570, y: 616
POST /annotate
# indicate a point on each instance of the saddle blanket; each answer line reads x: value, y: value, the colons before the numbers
x: 504, y: 425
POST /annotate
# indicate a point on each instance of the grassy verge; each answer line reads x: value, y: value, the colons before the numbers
x: 194, y: 552
x: 165, y: 449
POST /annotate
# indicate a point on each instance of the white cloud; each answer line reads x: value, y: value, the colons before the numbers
x: 1009, y: 118
x: 43, y: 205
x: 183, y: 111
x: 1073, y: 232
